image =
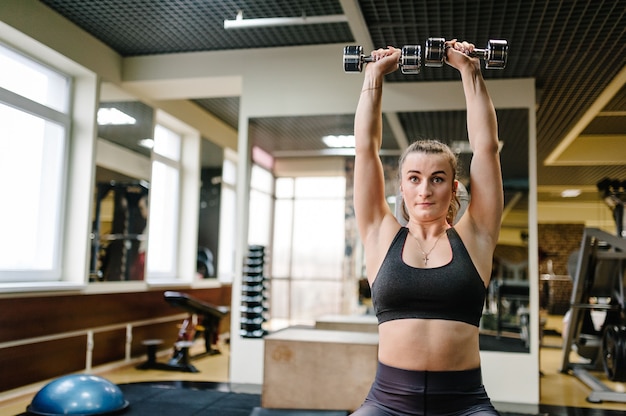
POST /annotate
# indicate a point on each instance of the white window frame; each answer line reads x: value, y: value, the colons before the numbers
x: 62, y: 118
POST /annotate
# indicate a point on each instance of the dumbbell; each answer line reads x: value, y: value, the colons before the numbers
x: 494, y: 55
x: 410, y: 59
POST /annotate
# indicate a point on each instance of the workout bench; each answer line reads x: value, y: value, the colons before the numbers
x: 211, y: 316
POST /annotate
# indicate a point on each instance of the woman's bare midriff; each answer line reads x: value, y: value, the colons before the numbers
x: 428, y: 345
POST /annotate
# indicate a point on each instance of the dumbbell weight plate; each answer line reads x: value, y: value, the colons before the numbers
x: 434, y: 52
x: 497, y: 52
x: 352, y: 61
x: 411, y: 59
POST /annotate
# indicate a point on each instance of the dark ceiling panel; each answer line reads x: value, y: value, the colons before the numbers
x: 572, y: 48
x: 226, y: 109
x: 149, y: 27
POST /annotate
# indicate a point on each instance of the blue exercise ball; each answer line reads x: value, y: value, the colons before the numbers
x: 78, y: 395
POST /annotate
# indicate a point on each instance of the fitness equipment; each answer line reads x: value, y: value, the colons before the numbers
x: 410, y: 59
x: 211, y: 316
x: 116, y: 255
x: 204, y: 263
x: 209, y: 326
x: 495, y: 54
x: 598, y: 288
x: 513, y: 298
x: 78, y: 394
x: 614, y: 195
x: 253, y: 294
x: 614, y: 352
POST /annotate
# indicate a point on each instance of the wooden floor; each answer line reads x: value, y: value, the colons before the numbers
x: 560, y: 389
x: 556, y: 388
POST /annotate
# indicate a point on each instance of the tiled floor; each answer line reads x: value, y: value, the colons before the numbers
x: 557, y: 389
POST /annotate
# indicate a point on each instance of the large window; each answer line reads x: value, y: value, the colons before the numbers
x: 164, y: 204
x: 261, y: 191
x: 34, y: 126
x: 259, y: 229
x: 308, y: 248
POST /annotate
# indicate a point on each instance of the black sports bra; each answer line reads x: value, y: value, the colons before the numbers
x: 453, y: 292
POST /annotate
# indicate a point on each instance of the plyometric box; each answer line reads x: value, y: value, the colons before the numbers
x: 357, y: 323
x: 318, y: 369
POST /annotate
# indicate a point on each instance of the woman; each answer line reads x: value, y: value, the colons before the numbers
x: 429, y: 278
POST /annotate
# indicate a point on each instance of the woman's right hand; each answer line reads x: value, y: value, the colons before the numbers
x: 385, y: 61
x: 457, y: 55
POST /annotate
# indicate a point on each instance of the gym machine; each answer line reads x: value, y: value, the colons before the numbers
x: 614, y: 195
x: 495, y: 55
x: 598, y: 288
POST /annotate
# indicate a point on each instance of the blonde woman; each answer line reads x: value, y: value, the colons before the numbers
x: 429, y: 277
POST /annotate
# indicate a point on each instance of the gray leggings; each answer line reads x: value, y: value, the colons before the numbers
x: 398, y: 392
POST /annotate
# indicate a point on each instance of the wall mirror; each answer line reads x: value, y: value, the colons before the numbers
x: 121, y: 190
x: 505, y: 324
x: 211, y: 161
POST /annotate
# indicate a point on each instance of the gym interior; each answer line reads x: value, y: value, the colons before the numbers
x: 173, y: 218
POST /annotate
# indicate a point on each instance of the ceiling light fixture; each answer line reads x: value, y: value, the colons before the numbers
x: 113, y: 116
x: 463, y: 146
x: 147, y: 143
x: 342, y: 141
x: 241, y: 23
x: 570, y: 193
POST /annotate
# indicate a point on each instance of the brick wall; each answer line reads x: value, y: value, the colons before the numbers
x: 556, y: 243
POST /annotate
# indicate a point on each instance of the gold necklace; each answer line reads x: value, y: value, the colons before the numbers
x: 427, y: 253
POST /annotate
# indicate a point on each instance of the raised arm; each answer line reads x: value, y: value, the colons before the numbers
x: 484, y: 212
x: 369, y: 185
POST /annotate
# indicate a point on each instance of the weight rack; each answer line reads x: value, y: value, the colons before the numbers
x: 253, y: 294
